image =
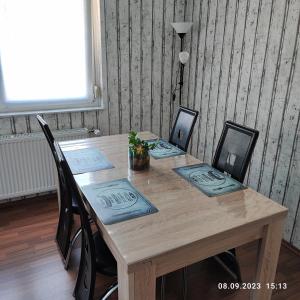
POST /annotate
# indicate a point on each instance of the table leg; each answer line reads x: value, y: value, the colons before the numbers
x: 139, y: 285
x: 268, y: 253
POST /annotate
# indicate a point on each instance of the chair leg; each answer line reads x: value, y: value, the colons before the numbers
x: 237, y: 269
x: 185, y: 282
x: 236, y: 273
x: 163, y: 287
x: 72, y: 242
x: 109, y: 291
x: 236, y: 264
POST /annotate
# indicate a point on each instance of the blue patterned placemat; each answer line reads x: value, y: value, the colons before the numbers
x: 87, y: 160
x: 164, y: 149
x: 117, y: 201
x: 209, y: 180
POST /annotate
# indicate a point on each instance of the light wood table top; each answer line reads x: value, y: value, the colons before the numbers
x: 188, y: 221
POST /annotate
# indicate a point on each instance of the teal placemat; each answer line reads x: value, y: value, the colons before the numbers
x: 87, y: 160
x: 210, y: 181
x: 164, y: 149
x: 117, y: 201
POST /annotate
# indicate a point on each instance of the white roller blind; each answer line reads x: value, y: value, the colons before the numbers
x: 45, y: 51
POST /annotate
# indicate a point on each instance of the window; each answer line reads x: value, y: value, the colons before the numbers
x: 46, y: 55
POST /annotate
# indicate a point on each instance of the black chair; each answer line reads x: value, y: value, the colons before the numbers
x: 180, y: 137
x: 183, y: 128
x: 95, y: 255
x: 234, y: 150
x: 233, y: 155
x: 67, y: 204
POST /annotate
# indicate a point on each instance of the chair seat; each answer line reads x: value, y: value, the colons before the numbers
x: 105, y: 261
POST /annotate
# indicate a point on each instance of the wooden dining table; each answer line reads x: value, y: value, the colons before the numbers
x: 188, y: 227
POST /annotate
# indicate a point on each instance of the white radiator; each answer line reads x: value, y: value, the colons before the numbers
x: 26, y: 163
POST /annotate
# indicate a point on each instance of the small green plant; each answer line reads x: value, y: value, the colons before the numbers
x: 137, y: 146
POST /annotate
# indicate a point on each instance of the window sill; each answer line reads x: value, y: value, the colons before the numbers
x: 51, y: 111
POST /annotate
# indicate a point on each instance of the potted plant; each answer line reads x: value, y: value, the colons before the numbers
x: 138, y: 152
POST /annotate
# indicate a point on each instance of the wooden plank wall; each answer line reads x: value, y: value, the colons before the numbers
x: 245, y: 67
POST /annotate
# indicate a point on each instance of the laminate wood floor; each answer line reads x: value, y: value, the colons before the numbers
x: 31, y: 268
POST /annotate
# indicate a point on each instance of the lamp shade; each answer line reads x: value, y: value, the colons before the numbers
x: 182, y: 27
x: 184, y: 57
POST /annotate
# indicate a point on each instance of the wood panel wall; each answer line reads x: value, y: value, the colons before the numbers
x: 245, y: 67
x: 140, y: 60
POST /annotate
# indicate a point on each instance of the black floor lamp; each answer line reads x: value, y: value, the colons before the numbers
x: 181, y: 29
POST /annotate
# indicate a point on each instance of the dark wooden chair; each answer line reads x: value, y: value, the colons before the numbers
x: 234, y: 150
x: 180, y: 137
x: 68, y: 205
x: 233, y: 155
x: 183, y: 128
x: 95, y: 255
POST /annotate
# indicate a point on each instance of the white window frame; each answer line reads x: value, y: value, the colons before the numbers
x: 95, y: 100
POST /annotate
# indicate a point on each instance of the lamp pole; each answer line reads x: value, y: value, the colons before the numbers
x: 181, y: 29
x: 181, y: 35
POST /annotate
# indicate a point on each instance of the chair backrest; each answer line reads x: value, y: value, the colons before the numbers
x: 85, y: 283
x: 50, y: 139
x: 47, y: 132
x: 235, y: 149
x: 183, y: 128
x: 65, y: 220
